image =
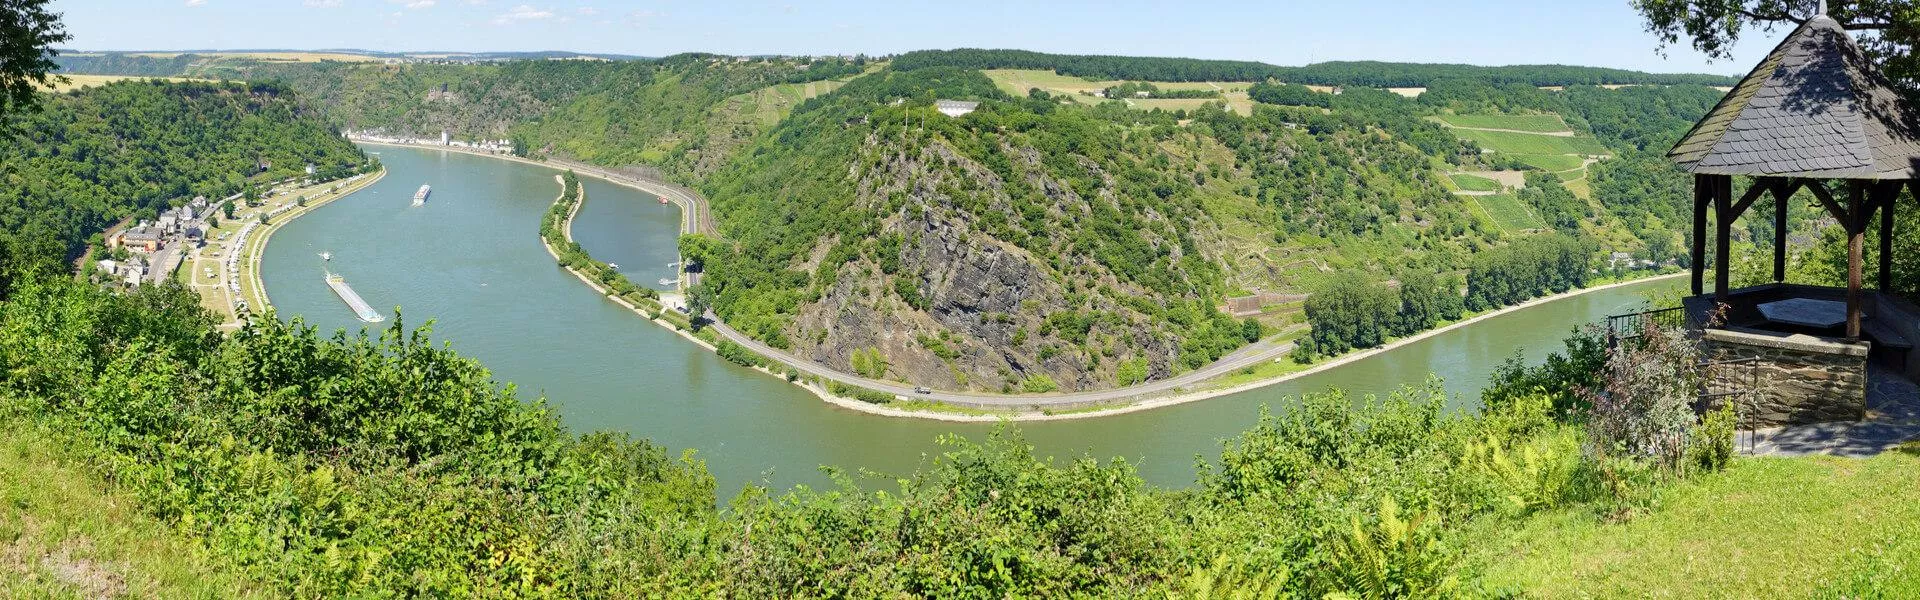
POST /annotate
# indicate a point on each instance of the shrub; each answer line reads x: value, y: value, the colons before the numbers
x: 1712, y: 443
x: 1038, y: 383
x: 1645, y: 410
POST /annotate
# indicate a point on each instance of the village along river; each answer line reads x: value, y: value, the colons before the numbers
x: 471, y: 260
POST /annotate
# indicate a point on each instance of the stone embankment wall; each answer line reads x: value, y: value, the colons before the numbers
x: 1797, y: 378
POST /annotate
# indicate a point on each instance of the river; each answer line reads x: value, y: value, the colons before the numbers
x: 471, y: 260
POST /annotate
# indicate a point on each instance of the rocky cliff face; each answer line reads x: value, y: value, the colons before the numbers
x: 985, y: 315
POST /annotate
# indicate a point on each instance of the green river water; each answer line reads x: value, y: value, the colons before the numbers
x: 471, y: 261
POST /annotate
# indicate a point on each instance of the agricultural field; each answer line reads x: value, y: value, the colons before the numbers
x: 1558, y: 163
x: 1507, y: 142
x: 1541, y: 142
x: 1016, y: 82
x: 769, y: 105
x: 1475, y: 183
x: 75, y: 82
x: 1507, y: 211
x: 1533, y: 123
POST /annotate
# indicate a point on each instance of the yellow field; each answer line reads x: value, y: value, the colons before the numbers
x: 80, y: 81
x: 1016, y: 82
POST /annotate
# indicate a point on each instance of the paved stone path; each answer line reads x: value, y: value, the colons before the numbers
x: 1893, y: 418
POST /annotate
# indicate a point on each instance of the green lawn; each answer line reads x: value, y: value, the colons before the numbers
x: 1765, y: 528
x: 1540, y: 123
x: 62, y: 536
x: 1509, y: 212
x: 1507, y: 142
x: 1475, y: 183
x: 1551, y: 162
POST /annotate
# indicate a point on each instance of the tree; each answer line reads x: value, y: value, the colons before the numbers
x: 1886, y: 29
x: 1350, y: 311
x: 27, y: 35
x: 699, y: 301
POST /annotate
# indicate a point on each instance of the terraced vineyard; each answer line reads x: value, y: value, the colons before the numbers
x: 1539, y: 141
x: 1475, y: 183
x: 1533, y: 123
x: 1509, y: 212
x: 1512, y: 142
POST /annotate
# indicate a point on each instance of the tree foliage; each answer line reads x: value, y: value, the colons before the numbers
x: 1529, y: 268
x: 134, y: 148
x: 1886, y: 29
x: 28, y: 32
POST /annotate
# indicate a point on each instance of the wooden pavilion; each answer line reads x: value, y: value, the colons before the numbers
x: 1815, y: 112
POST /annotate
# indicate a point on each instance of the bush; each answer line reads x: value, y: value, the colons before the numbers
x: 1646, y: 408
x: 1713, y: 442
x: 1038, y: 383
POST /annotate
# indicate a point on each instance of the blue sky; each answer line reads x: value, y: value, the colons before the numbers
x: 1596, y: 32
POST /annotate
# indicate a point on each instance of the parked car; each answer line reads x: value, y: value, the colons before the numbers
x: 921, y: 389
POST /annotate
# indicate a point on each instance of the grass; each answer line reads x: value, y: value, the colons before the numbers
x: 1551, y: 162
x: 1509, y: 212
x: 1259, y: 372
x: 1507, y: 142
x: 1537, y: 123
x: 1580, y: 187
x: 62, y: 536
x: 1475, y: 183
x: 1765, y: 528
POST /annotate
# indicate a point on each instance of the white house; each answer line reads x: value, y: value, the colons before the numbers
x: 955, y: 108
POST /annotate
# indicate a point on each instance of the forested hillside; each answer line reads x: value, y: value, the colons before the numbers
x: 137, y: 147
x: 1035, y: 245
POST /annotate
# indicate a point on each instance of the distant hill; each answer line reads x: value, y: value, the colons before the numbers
x: 213, y: 62
x: 1360, y: 73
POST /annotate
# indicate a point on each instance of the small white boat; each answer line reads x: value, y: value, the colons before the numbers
x: 420, y: 197
x: 666, y: 281
x: 613, y: 265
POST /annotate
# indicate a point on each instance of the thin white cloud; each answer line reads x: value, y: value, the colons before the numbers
x: 196, y: 2
x: 416, y: 4
x: 644, y: 17
x: 586, y: 11
x: 322, y: 3
x: 522, y: 13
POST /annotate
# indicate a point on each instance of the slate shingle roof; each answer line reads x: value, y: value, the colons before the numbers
x: 1814, y: 107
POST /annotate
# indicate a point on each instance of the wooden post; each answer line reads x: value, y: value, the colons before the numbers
x: 1702, y: 187
x: 1856, y: 225
x: 1722, y: 234
x: 1889, y: 196
x: 1780, y: 232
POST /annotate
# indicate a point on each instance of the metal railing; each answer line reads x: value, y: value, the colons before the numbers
x: 1633, y: 325
x: 1736, y: 382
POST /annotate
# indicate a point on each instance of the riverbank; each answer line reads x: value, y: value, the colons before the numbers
x: 955, y: 407
x: 253, y: 251
x: 249, y: 244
